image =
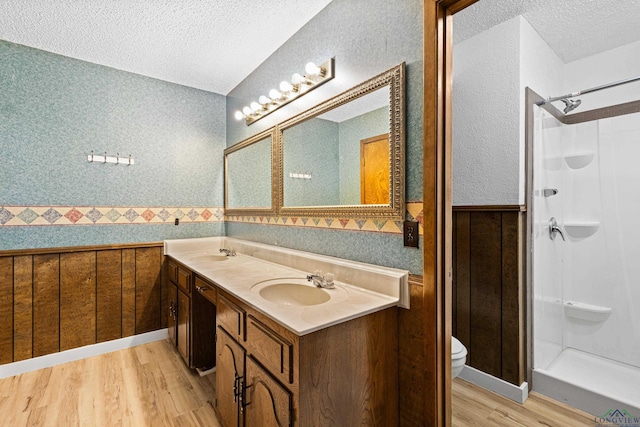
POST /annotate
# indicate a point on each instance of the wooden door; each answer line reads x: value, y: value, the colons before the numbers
x: 267, y: 403
x: 230, y: 358
x: 374, y: 170
x: 173, y: 307
x: 182, y: 326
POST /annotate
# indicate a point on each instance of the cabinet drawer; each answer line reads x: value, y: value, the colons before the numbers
x: 180, y: 276
x: 271, y: 349
x: 231, y: 317
x: 173, y: 272
x: 184, y: 280
x: 206, y: 289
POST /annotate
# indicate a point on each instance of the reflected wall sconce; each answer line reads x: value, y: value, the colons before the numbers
x: 315, y: 75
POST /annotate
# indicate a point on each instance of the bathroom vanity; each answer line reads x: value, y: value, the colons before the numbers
x: 286, y: 351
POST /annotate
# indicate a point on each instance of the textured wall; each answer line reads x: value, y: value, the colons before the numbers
x: 366, y: 37
x: 55, y: 110
x: 486, y: 117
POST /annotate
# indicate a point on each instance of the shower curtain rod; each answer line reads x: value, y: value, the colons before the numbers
x: 593, y: 89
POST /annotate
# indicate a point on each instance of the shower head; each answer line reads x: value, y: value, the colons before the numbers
x: 570, y: 104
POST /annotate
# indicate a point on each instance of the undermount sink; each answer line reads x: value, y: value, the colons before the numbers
x: 288, y: 292
x: 209, y: 257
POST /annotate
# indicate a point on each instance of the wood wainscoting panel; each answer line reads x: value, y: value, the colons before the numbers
x: 148, y: 293
x: 56, y: 299
x: 22, y: 307
x: 512, y: 368
x: 461, y: 295
x: 128, y: 292
x: 46, y: 304
x: 488, y: 287
x: 77, y: 299
x: 108, y: 295
x: 6, y: 309
x: 485, y: 264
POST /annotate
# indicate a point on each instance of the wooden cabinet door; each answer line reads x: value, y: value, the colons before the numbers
x: 203, y: 328
x: 230, y: 358
x: 172, y: 307
x: 183, y: 326
x: 267, y: 403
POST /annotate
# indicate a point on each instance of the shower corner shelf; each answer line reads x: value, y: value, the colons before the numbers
x: 582, y: 311
x: 581, y: 229
x: 579, y: 160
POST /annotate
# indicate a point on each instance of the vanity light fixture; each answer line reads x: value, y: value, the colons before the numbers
x: 299, y: 85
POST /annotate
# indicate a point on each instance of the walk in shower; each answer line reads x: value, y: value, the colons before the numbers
x: 585, y: 298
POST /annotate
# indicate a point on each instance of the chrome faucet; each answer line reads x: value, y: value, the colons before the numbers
x: 320, y: 280
x: 231, y: 252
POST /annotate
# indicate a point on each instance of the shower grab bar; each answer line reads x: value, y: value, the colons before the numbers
x: 593, y: 89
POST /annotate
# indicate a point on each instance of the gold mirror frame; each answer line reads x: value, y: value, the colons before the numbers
x: 249, y: 211
x: 394, y: 78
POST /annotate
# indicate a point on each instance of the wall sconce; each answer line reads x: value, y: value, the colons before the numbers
x: 315, y: 75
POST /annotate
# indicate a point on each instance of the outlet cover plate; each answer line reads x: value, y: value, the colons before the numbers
x: 411, y: 235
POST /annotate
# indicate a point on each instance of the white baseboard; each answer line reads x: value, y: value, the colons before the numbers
x: 16, y: 368
x: 496, y: 385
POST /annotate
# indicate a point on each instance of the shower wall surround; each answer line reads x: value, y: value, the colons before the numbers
x: 365, y: 38
x: 54, y: 110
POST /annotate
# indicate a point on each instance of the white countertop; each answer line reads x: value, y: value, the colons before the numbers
x: 369, y: 288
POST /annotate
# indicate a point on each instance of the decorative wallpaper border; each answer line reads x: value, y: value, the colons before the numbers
x: 414, y: 213
x: 100, y: 215
x: 107, y: 215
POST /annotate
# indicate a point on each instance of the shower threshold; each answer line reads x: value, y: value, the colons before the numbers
x: 591, y: 383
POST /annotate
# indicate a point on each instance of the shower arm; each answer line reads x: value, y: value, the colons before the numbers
x: 593, y: 89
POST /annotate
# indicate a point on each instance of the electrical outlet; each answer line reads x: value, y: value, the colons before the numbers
x: 411, y: 234
x: 177, y: 221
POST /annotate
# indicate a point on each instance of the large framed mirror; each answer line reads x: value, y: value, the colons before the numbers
x: 249, y: 176
x: 345, y: 157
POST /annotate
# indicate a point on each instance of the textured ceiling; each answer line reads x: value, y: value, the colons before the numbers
x: 207, y: 44
x: 574, y: 29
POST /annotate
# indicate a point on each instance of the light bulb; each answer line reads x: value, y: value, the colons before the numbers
x: 264, y: 100
x: 247, y: 111
x: 274, y: 94
x: 285, y: 86
x: 296, y: 79
x: 239, y: 115
x: 255, y: 106
x: 312, y: 69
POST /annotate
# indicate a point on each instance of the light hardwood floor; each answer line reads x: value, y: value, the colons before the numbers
x: 474, y: 406
x: 150, y: 385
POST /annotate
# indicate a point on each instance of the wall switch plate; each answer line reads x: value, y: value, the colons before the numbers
x: 411, y: 233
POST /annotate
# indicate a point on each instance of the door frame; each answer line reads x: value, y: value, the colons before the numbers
x: 437, y: 230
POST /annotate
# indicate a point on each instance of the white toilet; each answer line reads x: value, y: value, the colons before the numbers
x: 458, y: 357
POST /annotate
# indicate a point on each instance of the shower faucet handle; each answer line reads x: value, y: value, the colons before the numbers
x: 554, y: 229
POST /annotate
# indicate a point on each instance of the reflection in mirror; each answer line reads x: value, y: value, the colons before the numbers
x: 345, y: 157
x: 248, y: 176
x: 344, y: 152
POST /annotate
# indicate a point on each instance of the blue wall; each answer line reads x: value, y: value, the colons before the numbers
x: 54, y: 110
x: 366, y: 37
